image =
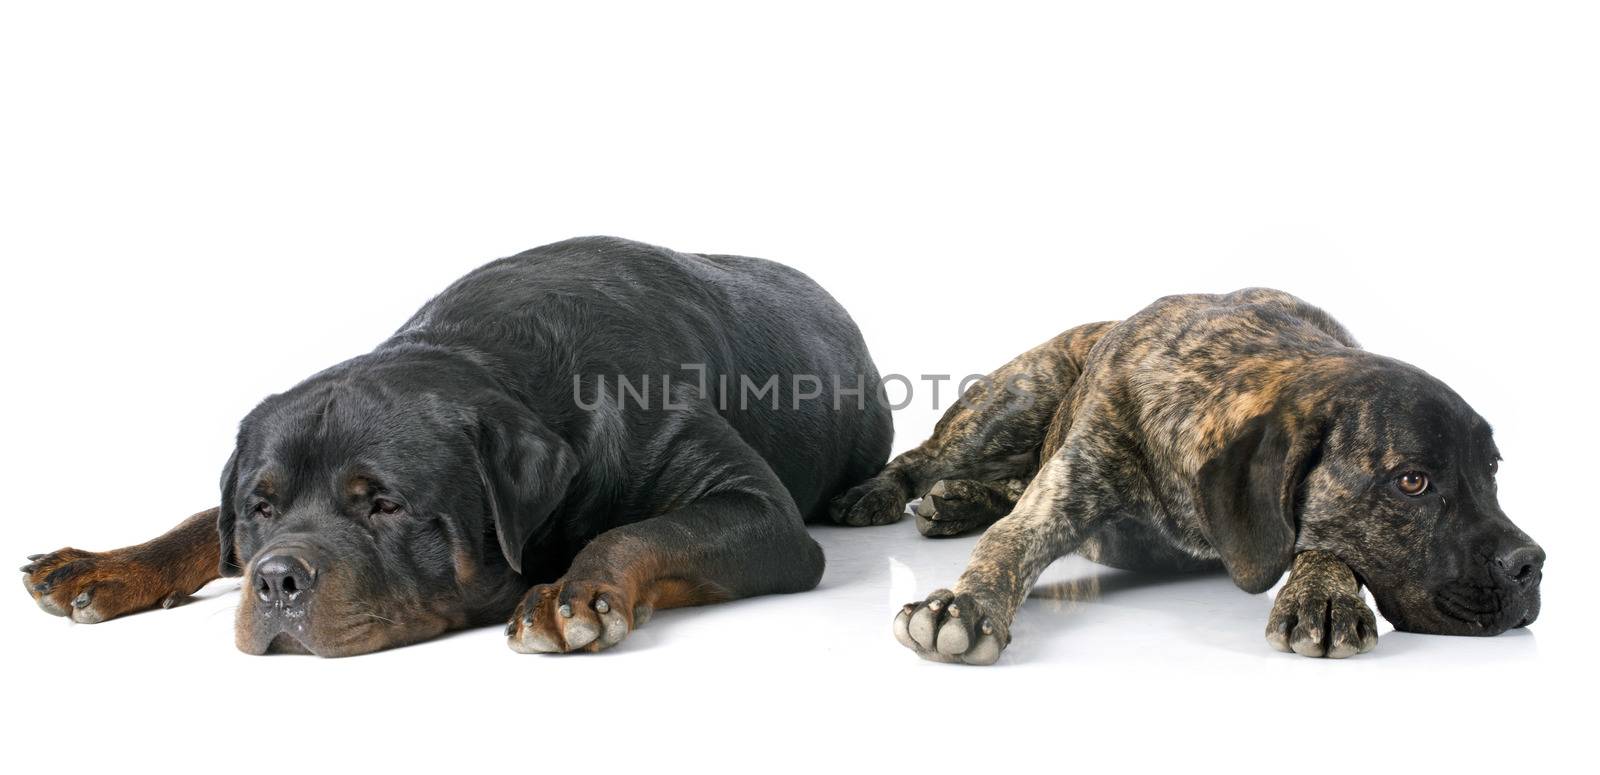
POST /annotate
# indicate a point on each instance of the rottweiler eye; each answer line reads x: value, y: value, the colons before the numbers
x: 262, y: 510
x: 384, y: 506
x: 1412, y: 483
x: 1494, y: 467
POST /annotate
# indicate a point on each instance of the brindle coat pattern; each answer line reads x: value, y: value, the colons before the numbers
x: 1234, y: 431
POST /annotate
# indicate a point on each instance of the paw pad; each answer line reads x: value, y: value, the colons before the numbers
x: 950, y: 628
x: 570, y: 616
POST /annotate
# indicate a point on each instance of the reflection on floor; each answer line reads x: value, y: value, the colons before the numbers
x: 1080, y: 610
x: 1080, y: 614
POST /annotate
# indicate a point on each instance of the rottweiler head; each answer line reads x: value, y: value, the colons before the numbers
x: 383, y: 502
x: 1387, y: 468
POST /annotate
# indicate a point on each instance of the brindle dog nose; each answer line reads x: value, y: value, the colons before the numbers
x: 284, y: 580
x: 1520, y: 564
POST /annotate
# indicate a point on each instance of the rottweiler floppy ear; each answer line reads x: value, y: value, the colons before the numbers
x: 1246, y: 500
x: 526, y: 469
x: 227, y: 518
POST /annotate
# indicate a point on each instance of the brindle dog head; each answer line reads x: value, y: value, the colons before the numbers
x: 1387, y: 468
x: 383, y: 502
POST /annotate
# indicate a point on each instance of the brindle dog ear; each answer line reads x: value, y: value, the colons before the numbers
x: 227, y: 518
x: 1247, y: 500
x: 526, y: 469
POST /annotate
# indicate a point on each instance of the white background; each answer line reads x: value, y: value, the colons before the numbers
x: 202, y: 204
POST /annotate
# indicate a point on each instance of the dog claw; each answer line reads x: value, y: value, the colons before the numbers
x: 82, y: 600
x: 29, y: 568
x: 601, y: 605
x: 33, y: 557
x: 565, y: 610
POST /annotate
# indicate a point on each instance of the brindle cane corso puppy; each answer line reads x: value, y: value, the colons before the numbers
x: 1247, y: 432
x: 608, y: 423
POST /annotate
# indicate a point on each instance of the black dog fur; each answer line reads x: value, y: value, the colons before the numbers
x: 533, y: 425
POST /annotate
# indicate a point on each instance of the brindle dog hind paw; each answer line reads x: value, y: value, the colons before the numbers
x: 947, y: 627
x: 873, y: 502
x: 1317, y: 622
x: 956, y: 506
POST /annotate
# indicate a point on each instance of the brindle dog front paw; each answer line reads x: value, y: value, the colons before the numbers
x: 93, y: 587
x: 873, y: 502
x: 573, y: 616
x: 1320, y: 611
x: 947, y: 627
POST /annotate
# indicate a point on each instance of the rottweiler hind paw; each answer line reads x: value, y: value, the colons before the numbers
x: 947, y: 627
x: 573, y: 616
x: 873, y: 502
x: 93, y: 587
x: 1315, y: 621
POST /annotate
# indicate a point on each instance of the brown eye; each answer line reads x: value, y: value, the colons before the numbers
x: 1413, y: 483
x: 384, y: 506
x: 1494, y: 467
x: 262, y: 510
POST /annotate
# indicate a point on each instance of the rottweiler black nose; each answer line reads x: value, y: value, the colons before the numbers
x: 1520, y: 564
x: 284, y: 580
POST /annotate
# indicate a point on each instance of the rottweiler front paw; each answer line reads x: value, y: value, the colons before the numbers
x: 573, y: 616
x: 947, y: 627
x: 1322, y: 614
x: 873, y: 502
x: 93, y: 587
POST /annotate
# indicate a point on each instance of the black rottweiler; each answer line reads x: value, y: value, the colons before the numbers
x: 620, y: 427
x: 1246, y: 431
